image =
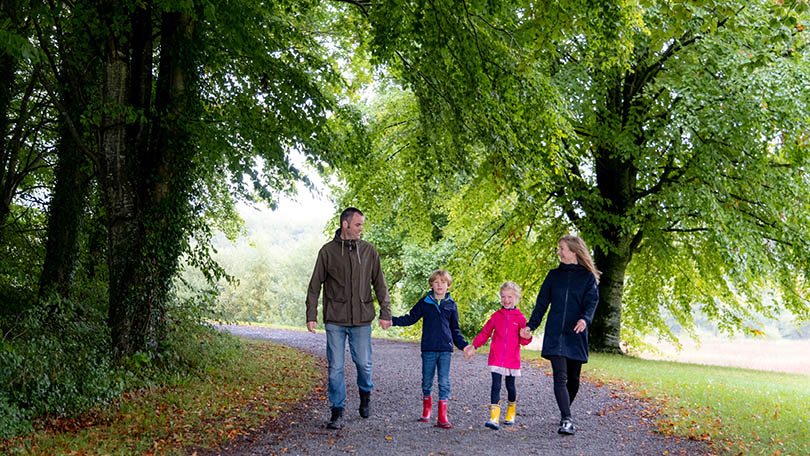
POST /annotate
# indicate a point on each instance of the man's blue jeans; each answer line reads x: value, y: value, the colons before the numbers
x: 431, y: 360
x: 360, y: 347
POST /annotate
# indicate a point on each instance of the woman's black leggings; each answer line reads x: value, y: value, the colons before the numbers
x: 495, y: 393
x: 566, y: 382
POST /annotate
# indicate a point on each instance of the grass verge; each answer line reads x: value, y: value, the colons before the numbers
x: 230, y: 400
x: 736, y: 411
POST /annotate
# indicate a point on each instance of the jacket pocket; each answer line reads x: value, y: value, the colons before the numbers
x: 336, y: 311
x: 367, y: 310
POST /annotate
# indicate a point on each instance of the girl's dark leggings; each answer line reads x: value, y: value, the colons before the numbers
x: 566, y: 382
x: 495, y: 393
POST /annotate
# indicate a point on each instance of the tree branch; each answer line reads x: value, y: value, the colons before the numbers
x: 362, y: 4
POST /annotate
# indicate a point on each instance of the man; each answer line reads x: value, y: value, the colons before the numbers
x: 347, y: 267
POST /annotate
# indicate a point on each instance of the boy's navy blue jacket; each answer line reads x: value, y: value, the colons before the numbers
x: 572, y: 293
x: 439, y: 323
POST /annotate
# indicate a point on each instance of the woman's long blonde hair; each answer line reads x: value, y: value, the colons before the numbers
x: 577, y: 245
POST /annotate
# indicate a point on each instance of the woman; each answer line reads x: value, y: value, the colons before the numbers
x: 572, y: 291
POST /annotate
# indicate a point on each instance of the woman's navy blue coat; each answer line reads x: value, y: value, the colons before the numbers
x: 573, y: 294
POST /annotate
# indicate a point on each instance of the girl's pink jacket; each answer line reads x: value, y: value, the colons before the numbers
x: 504, y: 327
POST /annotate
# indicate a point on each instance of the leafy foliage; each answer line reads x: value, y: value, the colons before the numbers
x: 676, y: 147
x: 209, y: 108
x: 68, y: 368
x: 270, y: 264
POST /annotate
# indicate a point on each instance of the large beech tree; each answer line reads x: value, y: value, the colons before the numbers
x: 171, y: 110
x: 672, y: 136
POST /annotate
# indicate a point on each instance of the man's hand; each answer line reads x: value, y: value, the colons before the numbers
x: 385, y: 324
x: 525, y: 332
x: 311, y: 325
x: 469, y: 351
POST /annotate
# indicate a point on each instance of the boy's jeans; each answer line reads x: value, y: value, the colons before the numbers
x: 360, y: 347
x: 430, y: 361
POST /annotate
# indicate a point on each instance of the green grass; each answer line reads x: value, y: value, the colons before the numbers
x: 740, y: 411
x: 201, y: 412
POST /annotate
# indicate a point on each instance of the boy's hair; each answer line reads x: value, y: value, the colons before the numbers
x: 509, y: 285
x: 440, y: 274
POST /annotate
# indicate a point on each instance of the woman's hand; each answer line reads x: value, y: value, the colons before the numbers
x: 580, y: 326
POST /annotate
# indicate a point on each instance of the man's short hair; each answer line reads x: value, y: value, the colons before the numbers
x: 440, y: 274
x: 348, y: 213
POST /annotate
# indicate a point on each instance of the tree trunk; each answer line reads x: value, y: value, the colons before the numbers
x: 67, y: 206
x: 167, y: 166
x: 119, y: 195
x: 615, y: 179
x: 147, y: 176
x: 7, y: 69
x: 64, y: 220
x: 605, y: 331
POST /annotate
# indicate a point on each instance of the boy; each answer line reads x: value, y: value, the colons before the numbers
x: 439, y: 332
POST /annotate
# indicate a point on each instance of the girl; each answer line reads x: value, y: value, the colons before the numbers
x: 504, y: 353
x: 572, y: 292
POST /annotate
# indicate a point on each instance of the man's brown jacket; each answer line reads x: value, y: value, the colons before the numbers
x: 348, y: 269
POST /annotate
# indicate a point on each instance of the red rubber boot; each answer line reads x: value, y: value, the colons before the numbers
x: 427, y: 407
x: 442, y: 421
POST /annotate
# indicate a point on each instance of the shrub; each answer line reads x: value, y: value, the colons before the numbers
x: 57, y: 358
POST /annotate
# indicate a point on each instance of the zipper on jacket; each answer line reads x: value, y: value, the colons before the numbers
x: 565, y: 309
x: 505, y: 340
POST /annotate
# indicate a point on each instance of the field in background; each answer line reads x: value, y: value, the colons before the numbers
x: 783, y: 355
x: 762, y: 354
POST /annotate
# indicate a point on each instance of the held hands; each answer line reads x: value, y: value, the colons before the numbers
x: 311, y: 325
x: 580, y: 326
x: 525, y: 332
x: 469, y: 351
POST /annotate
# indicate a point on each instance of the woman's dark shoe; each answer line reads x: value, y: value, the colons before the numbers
x: 567, y: 427
x: 365, y: 403
x: 336, y: 420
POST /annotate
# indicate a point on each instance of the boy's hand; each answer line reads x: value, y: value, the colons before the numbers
x: 385, y: 324
x: 469, y: 351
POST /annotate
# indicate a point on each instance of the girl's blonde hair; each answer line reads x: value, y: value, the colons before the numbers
x: 577, y: 245
x: 440, y: 274
x: 509, y: 285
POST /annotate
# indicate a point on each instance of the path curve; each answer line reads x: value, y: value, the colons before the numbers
x: 607, y: 424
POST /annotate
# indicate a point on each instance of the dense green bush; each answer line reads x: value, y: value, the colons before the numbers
x: 57, y: 358
x: 14, y: 420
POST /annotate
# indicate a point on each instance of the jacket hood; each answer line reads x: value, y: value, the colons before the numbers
x: 350, y: 244
x: 430, y: 299
x: 504, y: 309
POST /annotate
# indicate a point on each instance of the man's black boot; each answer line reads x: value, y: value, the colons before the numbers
x: 365, y: 403
x: 336, y: 421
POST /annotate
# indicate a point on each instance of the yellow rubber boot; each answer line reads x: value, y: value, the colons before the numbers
x: 494, y: 416
x: 510, y: 414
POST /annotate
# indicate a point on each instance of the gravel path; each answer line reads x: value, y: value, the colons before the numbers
x: 607, y: 423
